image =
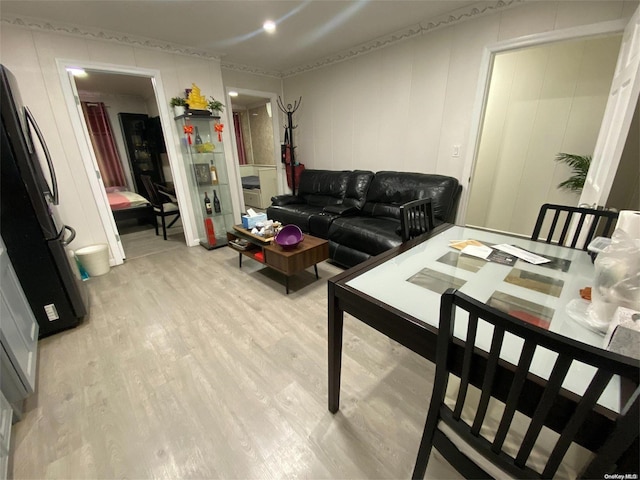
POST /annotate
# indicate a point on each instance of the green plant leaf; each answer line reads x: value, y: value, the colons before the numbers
x: 579, y: 165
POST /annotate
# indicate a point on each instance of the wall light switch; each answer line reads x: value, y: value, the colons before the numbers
x: 455, y: 151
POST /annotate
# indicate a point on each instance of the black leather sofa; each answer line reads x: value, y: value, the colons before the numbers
x: 359, y: 211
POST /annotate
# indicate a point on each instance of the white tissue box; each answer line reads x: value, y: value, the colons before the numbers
x: 249, y: 222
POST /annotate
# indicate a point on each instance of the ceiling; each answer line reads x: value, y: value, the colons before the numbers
x: 308, y: 31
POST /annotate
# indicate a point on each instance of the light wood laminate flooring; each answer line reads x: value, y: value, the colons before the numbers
x: 189, y: 367
x: 141, y: 240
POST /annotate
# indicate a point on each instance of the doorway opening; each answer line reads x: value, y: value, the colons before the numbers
x: 256, y: 146
x: 542, y: 101
x: 137, y: 92
x: 131, y: 115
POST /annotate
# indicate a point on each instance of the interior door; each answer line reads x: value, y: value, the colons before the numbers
x: 621, y: 105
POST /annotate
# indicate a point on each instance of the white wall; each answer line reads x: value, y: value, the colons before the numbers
x: 542, y: 100
x: 405, y: 106
x: 31, y: 56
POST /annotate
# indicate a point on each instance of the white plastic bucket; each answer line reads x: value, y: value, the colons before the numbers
x: 94, y: 259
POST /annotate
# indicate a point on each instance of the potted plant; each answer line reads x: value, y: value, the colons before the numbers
x: 215, y: 106
x: 179, y: 105
x: 579, y: 165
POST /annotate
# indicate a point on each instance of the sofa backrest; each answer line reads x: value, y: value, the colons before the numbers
x: 323, y: 187
x: 389, y: 190
x: 357, y: 188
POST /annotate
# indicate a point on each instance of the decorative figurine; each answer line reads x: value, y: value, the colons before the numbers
x: 196, y: 100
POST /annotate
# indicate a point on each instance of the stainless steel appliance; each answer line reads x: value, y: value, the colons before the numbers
x: 34, y: 236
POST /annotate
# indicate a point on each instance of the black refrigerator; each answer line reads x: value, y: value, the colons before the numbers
x: 33, y: 234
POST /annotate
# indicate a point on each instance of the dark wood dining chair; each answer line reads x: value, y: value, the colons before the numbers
x: 554, y: 225
x: 454, y: 426
x: 416, y: 218
x: 163, y: 206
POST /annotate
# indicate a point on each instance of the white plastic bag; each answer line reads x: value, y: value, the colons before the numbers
x: 617, y: 279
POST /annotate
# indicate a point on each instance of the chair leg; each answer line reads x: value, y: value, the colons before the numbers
x: 155, y: 223
x: 164, y: 228
x: 173, y: 221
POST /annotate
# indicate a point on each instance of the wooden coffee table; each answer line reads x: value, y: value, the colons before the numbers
x: 307, y: 253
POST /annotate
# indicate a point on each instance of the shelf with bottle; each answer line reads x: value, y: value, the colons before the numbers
x: 209, y: 187
x: 218, y: 200
x: 216, y: 217
x: 213, y: 206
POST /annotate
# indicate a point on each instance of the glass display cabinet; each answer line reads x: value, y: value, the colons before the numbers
x: 207, y: 175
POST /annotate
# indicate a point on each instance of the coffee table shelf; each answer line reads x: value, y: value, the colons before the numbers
x: 309, y: 252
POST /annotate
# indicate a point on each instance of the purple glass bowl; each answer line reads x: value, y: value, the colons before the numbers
x: 289, y: 237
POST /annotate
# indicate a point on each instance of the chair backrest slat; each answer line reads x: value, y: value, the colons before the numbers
x: 547, y: 404
x: 592, y: 230
x: 609, y: 226
x: 599, y: 382
x: 578, y: 228
x: 621, y: 439
x: 600, y: 222
x: 565, y: 227
x: 520, y: 376
x: 472, y: 329
x: 154, y: 196
x: 416, y: 218
x: 551, y: 391
x: 489, y: 375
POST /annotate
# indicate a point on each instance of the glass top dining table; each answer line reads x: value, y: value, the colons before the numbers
x: 398, y: 293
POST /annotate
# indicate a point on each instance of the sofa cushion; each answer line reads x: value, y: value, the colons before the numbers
x: 323, y: 187
x: 357, y: 188
x: 286, y: 199
x: 389, y: 190
x: 297, y: 214
x: 372, y: 235
x: 319, y: 224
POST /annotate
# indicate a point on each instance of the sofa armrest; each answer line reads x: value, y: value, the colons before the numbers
x: 280, y: 200
x: 340, y: 209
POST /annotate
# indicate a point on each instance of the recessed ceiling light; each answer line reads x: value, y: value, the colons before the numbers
x: 77, y: 72
x: 269, y: 26
x: 233, y: 93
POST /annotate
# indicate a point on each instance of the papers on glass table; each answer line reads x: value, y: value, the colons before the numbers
x: 503, y: 253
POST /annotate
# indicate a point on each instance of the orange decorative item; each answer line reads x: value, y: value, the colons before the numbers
x: 219, y: 127
x: 585, y: 293
x: 211, y: 235
x: 188, y: 130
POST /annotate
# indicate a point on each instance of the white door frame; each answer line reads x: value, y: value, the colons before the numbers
x: 91, y: 165
x: 486, y: 67
x: 621, y: 105
x: 275, y: 116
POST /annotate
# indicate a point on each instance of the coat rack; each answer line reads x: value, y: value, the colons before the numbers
x: 289, y: 110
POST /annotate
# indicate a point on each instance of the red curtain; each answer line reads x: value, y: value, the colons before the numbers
x: 242, y: 157
x: 104, y: 146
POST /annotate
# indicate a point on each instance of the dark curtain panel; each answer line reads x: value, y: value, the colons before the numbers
x: 104, y: 146
x: 242, y: 157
